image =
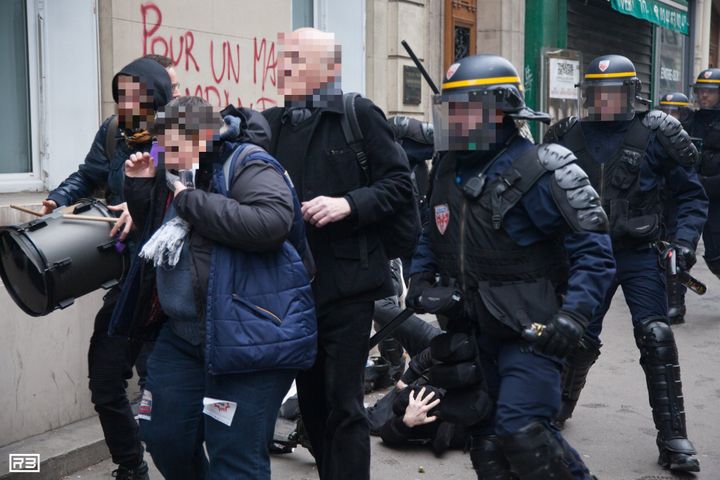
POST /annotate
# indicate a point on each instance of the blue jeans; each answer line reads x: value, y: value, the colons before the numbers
x: 178, y: 382
x: 643, y: 283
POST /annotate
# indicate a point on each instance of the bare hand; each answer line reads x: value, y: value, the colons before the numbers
x: 140, y: 165
x: 124, y: 223
x: 416, y: 411
x: 323, y: 210
x: 48, y: 206
x: 400, y: 385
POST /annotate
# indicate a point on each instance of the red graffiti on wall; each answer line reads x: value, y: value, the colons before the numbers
x: 223, y: 67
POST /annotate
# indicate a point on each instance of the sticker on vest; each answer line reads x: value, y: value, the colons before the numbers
x: 145, y: 408
x: 221, y: 410
x: 442, y: 217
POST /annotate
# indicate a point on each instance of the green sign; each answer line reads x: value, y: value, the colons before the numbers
x: 670, y: 14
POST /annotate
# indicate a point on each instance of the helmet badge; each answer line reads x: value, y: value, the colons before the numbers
x: 668, y: 98
x: 603, y: 65
x: 707, y: 74
x: 451, y: 70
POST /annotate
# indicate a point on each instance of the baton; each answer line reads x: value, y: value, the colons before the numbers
x: 688, y: 281
x: 389, y: 328
x: 420, y: 67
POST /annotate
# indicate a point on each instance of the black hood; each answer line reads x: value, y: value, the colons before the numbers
x: 246, y: 125
x: 152, y: 75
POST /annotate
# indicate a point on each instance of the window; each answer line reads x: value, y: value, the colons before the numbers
x: 15, y: 136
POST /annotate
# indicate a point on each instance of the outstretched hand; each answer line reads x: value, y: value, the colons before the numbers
x: 140, y: 165
x: 418, y: 407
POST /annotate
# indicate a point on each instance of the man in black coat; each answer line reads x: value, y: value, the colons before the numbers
x: 342, y: 209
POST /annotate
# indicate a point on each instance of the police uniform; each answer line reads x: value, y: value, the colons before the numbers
x: 630, y: 159
x: 503, y: 215
x: 704, y: 124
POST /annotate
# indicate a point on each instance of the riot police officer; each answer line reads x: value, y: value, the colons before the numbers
x: 630, y: 158
x: 704, y: 123
x: 501, y: 212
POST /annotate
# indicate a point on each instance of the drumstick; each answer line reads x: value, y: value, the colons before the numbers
x: 90, y: 218
x: 26, y: 210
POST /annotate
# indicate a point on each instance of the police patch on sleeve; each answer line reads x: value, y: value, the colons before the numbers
x: 442, y: 217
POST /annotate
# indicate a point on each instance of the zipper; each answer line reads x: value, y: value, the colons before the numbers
x: 267, y: 313
x: 602, y: 182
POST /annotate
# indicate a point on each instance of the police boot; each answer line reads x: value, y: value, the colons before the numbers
x: 392, y: 351
x: 488, y: 460
x: 676, y: 301
x: 574, y: 375
x: 139, y: 472
x: 534, y: 453
x: 377, y: 374
x: 659, y: 360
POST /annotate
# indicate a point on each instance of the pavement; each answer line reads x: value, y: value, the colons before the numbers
x: 612, y: 427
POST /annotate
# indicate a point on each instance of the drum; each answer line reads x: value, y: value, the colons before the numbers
x: 49, y: 262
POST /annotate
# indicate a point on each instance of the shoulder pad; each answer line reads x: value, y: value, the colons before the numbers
x: 571, y: 176
x: 559, y: 129
x: 672, y: 136
x: 553, y: 156
x: 577, y: 200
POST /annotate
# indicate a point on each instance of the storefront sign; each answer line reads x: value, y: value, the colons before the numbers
x: 564, y: 75
x: 671, y: 14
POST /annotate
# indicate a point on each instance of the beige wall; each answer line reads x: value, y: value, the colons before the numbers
x: 388, y: 23
x: 501, y: 29
x: 224, y: 50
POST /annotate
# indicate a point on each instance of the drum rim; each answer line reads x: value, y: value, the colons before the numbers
x: 9, y: 230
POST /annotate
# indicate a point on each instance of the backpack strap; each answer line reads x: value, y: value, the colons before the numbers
x: 110, y: 140
x: 235, y: 159
x: 352, y: 132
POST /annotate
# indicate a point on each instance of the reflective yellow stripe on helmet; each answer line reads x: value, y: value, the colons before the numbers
x: 610, y: 75
x: 679, y: 104
x: 707, y: 80
x: 480, y: 81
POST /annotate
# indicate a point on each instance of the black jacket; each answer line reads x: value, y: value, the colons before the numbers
x: 350, y: 260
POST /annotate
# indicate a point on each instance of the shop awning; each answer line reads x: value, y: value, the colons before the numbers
x: 670, y: 14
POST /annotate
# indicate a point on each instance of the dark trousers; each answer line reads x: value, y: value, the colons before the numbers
x: 526, y: 388
x: 178, y: 383
x: 711, y: 241
x: 331, y: 393
x: 110, y: 363
x: 643, y: 283
x: 414, y: 334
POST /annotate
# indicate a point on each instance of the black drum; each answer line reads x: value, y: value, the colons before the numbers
x: 49, y: 262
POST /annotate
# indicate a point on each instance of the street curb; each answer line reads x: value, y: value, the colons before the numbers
x: 62, y: 451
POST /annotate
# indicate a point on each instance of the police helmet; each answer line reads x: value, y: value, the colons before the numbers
x: 706, y: 89
x: 676, y: 104
x: 604, y: 75
x: 482, y: 84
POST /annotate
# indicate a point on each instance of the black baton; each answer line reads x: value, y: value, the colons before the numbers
x: 420, y: 67
x: 389, y: 328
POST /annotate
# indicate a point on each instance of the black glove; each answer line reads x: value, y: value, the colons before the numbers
x: 418, y: 283
x: 561, y: 334
x: 685, y: 256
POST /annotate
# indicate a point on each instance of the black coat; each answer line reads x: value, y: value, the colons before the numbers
x: 350, y: 260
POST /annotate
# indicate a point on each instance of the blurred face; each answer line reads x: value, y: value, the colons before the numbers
x: 135, y: 104
x: 607, y: 103
x: 182, y: 149
x: 174, y: 82
x: 307, y: 62
x: 707, y: 97
x: 464, y: 117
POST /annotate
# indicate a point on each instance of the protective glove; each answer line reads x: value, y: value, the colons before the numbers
x: 685, y: 256
x: 418, y: 283
x: 561, y: 334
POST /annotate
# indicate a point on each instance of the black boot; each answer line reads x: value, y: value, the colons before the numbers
x: 392, y: 351
x: 574, y: 375
x: 676, y: 300
x: 488, y: 459
x: 139, y: 472
x: 659, y: 360
x: 534, y: 453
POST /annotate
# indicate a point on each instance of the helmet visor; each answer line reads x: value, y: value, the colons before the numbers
x: 610, y: 101
x: 706, y: 96
x: 467, y: 121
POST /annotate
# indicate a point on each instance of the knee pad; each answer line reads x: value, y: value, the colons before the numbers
x: 466, y: 407
x: 488, y: 459
x: 453, y: 348
x: 535, y: 453
x: 455, y: 376
x: 655, y: 339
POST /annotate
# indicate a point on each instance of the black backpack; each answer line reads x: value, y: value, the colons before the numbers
x: 399, y: 233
